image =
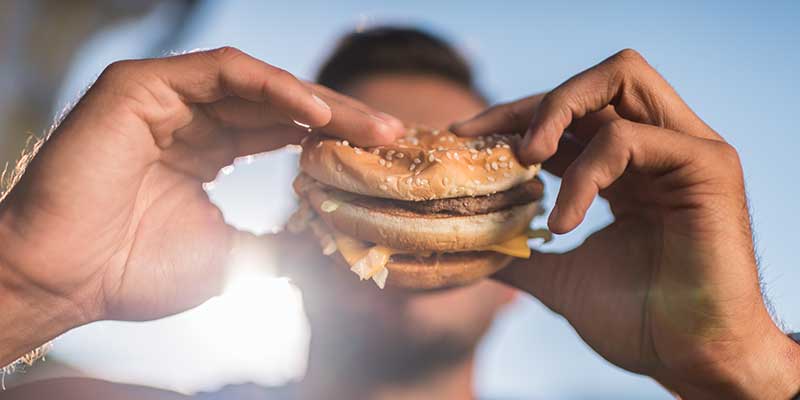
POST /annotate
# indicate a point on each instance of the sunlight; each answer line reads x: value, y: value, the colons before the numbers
x: 256, y: 331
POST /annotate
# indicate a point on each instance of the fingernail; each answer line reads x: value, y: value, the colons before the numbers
x: 456, y: 125
x: 522, y: 151
x: 321, y: 102
x: 391, y: 120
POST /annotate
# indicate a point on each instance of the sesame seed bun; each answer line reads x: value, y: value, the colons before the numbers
x: 424, y: 165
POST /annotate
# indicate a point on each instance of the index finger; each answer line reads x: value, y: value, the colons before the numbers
x: 209, y: 76
x: 625, y: 81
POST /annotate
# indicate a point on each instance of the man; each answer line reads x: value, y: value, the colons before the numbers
x: 669, y: 290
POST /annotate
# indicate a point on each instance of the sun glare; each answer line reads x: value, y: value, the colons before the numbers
x: 256, y: 331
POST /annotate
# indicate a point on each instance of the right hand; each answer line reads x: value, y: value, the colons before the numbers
x: 110, y: 221
x: 670, y: 289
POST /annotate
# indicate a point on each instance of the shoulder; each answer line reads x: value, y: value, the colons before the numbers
x: 84, y: 388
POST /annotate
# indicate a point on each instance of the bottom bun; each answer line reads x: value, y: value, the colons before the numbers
x: 442, y: 270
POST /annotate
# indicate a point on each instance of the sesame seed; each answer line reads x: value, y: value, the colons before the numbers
x: 390, y: 152
x: 319, y: 144
x: 409, y: 180
x: 382, y: 161
x: 489, y: 151
x: 450, y: 139
x: 339, y: 167
x: 431, y: 157
x: 424, y: 181
x: 455, y: 155
x: 389, y: 164
x: 473, y: 151
x: 449, y: 156
x: 445, y: 180
x: 376, y: 152
x: 357, y: 150
x: 338, y: 143
x: 503, y: 158
x: 390, y: 179
x: 417, y: 161
x: 440, y: 148
x: 474, y: 157
x: 412, y: 167
x: 494, y: 165
x: 435, y: 132
x: 401, y: 155
x: 383, y: 187
x: 345, y: 143
x: 419, y: 181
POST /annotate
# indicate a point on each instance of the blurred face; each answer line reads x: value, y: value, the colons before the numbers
x: 390, y: 333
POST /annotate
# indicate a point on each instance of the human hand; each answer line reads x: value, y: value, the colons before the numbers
x: 110, y: 220
x: 670, y: 289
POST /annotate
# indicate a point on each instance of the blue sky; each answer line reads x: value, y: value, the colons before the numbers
x: 733, y: 62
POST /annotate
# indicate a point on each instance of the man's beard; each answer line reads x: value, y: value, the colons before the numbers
x: 365, y: 353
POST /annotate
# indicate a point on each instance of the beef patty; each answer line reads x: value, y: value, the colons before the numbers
x: 524, y: 193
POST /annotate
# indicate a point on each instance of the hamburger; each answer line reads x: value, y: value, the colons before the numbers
x: 430, y: 210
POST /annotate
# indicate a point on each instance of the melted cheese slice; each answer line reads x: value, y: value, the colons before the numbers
x: 369, y: 261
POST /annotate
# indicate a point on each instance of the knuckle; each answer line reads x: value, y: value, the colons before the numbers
x: 727, y: 155
x: 630, y: 57
x: 616, y: 132
x: 551, y: 99
x: 225, y: 53
x: 120, y: 69
x: 283, y: 75
x: 548, y: 146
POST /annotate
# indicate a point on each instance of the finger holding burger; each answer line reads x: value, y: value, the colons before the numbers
x: 670, y: 289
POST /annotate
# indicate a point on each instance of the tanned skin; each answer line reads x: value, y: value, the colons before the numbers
x: 111, y: 219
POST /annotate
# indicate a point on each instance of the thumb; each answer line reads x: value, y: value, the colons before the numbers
x: 546, y: 276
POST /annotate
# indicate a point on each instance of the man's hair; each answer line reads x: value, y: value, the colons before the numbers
x: 399, y: 50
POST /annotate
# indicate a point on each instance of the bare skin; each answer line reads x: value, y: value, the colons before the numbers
x: 670, y: 289
x: 110, y: 220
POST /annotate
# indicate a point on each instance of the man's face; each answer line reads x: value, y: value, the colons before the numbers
x: 398, y: 332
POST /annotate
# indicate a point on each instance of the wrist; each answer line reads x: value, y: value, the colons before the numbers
x: 30, y: 316
x: 767, y: 369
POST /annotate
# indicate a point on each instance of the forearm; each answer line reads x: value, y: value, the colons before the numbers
x: 772, y: 371
x: 30, y: 317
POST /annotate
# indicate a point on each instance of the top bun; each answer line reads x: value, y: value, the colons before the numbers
x: 425, y: 164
